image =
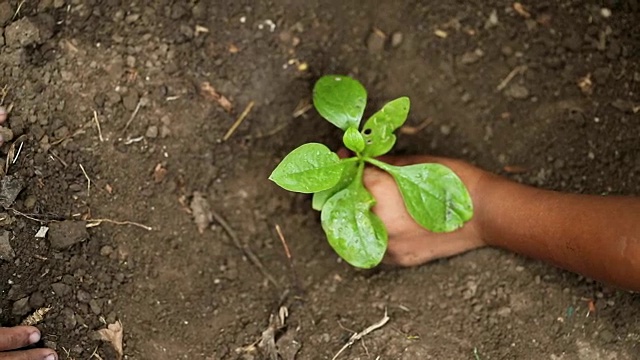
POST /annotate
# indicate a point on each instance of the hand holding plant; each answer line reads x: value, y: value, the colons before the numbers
x: 433, y: 194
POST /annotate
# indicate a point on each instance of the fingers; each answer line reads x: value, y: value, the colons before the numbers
x: 417, y: 250
x: 35, y: 354
x: 12, y: 338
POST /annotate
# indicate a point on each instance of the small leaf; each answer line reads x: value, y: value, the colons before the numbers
x: 310, y: 168
x: 378, y: 130
x: 348, y: 175
x: 353, y: 140
x: 353, y: 231
x: 340, y: 100
x: 434, y: 195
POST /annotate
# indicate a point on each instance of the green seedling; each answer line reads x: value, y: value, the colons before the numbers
x: 434, y: 196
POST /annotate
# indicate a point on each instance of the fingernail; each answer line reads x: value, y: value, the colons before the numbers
x: 50, y: 357
x: 34, y: 337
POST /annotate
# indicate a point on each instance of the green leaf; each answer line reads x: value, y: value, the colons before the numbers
x: 340, y: 100
x: 353, y: 140
x: 310, y: 168
x: 348, y: 175
x: 353, y: 231
x: 378, y: 130
x: 433, y: 194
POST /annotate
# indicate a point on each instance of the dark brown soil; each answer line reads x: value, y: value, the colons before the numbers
x: 182, y: 294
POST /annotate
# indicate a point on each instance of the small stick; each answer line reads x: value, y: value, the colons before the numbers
x: 44, y: 218
x: 363, y: 333
x: 239, y: 121
x: 244, y: 248
x: 88, y: 180
x: 95, y: 118
x: 4, y: 91
x: 96, y: 222
x: 27, y: 216
x: 18, y: 9
x: 517, y: 70
x: 289, y: 257
x: 133, y: 115
x: 15, y: 158
x: 95, y: 354
x: 53, y: 153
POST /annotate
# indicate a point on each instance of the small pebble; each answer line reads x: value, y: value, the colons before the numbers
x: 36, y: 300
x: 83, y: 296
x: 606, y: 13
x: 517, y: 92
x: 396, y: 39
x: 106, y: 250
x: 21, y: 307
x: 375, y: 41
x: 152, y: 132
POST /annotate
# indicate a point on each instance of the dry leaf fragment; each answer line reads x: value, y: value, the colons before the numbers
x: 201, y: 211
x: 209, y: 92
x: 585, y: 84
x: 113, y: 335
x: 36, y: 317
x: 520, y: 9
x: 159, y: 173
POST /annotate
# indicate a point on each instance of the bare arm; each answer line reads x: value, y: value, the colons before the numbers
x: 596, y: 236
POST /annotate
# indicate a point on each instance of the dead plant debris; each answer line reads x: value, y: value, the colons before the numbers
x: 113, y: 335
x: 210, y: 93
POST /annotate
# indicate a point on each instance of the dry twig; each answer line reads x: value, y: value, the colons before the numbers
x: 18, y: 9
x: 15, y: 158
x: 239, y: 121
x: 3, y: 94
x: 88, y: 179
x: 243, y: 247
x: 289, y: 257
x: 97, y: 222
x: 357, y: 336
x: 517, y: 70
x: 133, y: 115
x: 95, y: 118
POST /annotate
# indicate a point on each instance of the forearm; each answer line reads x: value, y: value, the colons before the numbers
x: 596, y: 236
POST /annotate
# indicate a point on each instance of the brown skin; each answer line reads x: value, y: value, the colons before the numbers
x: 13, y: 338
x: 596, y: 236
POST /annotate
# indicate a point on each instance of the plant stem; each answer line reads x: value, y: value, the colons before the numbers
x: 360, y: 172
x: 351, y: 159
x: 382, y: 165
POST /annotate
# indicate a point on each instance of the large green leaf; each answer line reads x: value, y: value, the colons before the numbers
x: 378, y: 130
x: 433, y: 194
x: 353, y: 231
x: 310, y: 168
x: 340, y: 99
x: 348, y: 175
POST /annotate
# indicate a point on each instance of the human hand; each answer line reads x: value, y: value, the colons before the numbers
x: 409, y: 243
x: 12, y: 338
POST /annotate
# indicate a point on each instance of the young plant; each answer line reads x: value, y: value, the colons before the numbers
x: 434, y: 196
